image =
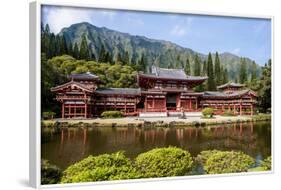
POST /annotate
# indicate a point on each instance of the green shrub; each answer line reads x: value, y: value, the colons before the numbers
x: 228, y: 113
x: 266, y: 163
x: 256, y: 169
x: 162, y: 162
x: 100, y: 168
x: 262, y: 117
x: 50, y: 174
x: 48, y: 115
x: 112, y: 114
x: 205, y: 155
x: 228, y: 162
x: 208, y: 112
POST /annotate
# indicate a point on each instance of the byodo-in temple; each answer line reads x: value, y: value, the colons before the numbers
x: 163, y: 92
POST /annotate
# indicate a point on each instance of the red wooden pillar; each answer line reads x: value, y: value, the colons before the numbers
x: 125, y: 105
x: 228, y: 106
x: 164, y: 103
x: 153, y: 103
x: 240, y: 108
x: 69, y: 110
x: 85, y: 110
x: 196, y: 105
x: 135, y: 105
x: 178, y: 106
x: 115, y: 102
x: 74, y: 111
x: 234, y: 107
x: 189, y: 103
x: 62, y: 110
x: 251, y: 109
x: 145, y: 104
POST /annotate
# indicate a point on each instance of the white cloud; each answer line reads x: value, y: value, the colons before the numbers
x: 182, y: 27
x: 236, y: 51
x: 60, y: 17
x: 178, y: 30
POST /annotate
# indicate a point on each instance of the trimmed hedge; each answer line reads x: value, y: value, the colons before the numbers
x: 229, y: 113
x: 204, y: 155
x: 208, y: 112
x: 228, y: 162
x: 100, y: 168
x: 50, y: 174
x: 158, y: 162
x: 163, y: 162
x: 48, y: 115
x: 266, y: 163
x: 111, y: 114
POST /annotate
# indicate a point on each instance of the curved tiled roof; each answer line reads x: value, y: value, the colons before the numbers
x: 119, y: 91
x: 82, y: 86
x: 231, y: 84
x: 83, y: 76
x: 169, y: 73
x: 177, y: 74
x: 222, y: 95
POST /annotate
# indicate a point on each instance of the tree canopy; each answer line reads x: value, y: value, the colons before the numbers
x: 210, y: 72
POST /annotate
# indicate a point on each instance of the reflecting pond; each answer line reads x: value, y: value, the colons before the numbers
x: 66, y: 146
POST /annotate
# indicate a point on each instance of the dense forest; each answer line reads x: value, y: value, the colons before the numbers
x: 60, y: 57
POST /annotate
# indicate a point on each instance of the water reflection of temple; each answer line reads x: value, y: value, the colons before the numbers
x: 231, y: 135
x: 71, y: 145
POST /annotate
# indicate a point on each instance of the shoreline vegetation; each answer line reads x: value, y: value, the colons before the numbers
x: 158, y: 162
x: 153, y: 121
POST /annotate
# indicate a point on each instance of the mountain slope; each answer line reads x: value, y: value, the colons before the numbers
x: 159, y: 52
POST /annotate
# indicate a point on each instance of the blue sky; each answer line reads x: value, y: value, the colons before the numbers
x: 247, y: 37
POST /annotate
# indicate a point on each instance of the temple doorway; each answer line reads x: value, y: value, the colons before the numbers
x: 171, y: 101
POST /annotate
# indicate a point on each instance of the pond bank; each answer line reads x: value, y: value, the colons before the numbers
x: 155, y: 121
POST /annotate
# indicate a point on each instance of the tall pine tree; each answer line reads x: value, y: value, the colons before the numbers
x: 224, y: 76
x: 204, y: 70
x: 142, y: 64
x: 217, y: 69
x: 70, y: 49
x: 197, y: 65
x: 102, y: 54
x: 84, y: 49
x: 127, y: 58
x: 63, y: 45
x: 178, y: 62
x: 254, y: 71
x: 187, y: 67
x: 119, y: 58
x: 210, y: 71
x: 76, y: 51
x: 264, y: 93
x: 243, y: 72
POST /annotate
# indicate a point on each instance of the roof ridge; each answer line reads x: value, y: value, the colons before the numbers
x: 167, y: 68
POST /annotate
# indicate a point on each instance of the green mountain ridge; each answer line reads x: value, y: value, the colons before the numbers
x: 158, y: 52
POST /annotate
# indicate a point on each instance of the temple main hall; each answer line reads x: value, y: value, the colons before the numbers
x: 163, y: 92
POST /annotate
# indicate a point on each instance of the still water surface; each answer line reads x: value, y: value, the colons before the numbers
x: 68, y: 146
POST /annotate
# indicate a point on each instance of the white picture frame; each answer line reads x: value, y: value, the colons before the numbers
x: 35, y: 81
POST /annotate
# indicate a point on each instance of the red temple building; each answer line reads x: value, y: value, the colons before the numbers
x: 163, y: 92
